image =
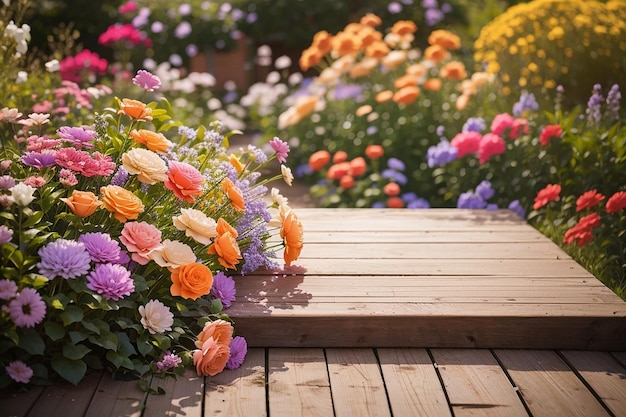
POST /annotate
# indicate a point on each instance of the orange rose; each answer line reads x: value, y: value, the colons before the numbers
x: 211, y: 358
x: 82, y: 203
x: 358, y: 166
x: 234, y: 194
x: 374, y: 151
x: 445, y: 39
x: 135, y: 110
x: 226, y: 248
x: 292, y: 234
x: 406, y: 95
x: 220, y: 330
x: 154, y: 141
x: 436, y: 53
x: 223, y: 227
x: 122, y: 203
x: 454, y: 70
x: 191, y: 281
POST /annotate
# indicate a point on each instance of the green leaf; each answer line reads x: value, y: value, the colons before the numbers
x: 125, y: 347
x: 59, y: 301
x: 118, y: 360
x: 72, y: 371
x: 32, y: 220
x: 31, y: 341
x: 162, y: 342
x: 75, y: 351
x: 216, y: 306
x: 78, y: 336
x: 54, y: 330
x: 72, y: 314
x: 106, y: 339
x: 144, y: 345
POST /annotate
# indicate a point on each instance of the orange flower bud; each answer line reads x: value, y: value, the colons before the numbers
x: 82, y: 203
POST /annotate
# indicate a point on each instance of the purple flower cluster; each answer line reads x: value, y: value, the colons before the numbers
x: 612, y: 103
x: 223, y: 288
x: 441, y: 154
x: 169, y: 361
x: 111, y: 281
x: 527, y: 102
x: 474, y: 124
x: 477, y: 199
x: 594, y: 105
x: 63, y: 258
x: 394, y: 171
x: 433, y: 13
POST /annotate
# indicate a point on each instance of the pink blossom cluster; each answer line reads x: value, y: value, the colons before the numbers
x: 124, y: 33
x: 74, y: 68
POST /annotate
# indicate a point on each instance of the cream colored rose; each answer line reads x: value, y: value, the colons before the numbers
x: 196, y: 225
x: 173, y: 254
x: 147, y: 165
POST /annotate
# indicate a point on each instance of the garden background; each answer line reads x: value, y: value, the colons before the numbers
x: 409, y: 104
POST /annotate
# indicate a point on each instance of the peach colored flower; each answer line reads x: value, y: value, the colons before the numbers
x: 172, y: 254
x: 82, y: 203
x: 135, y: 110
x: 363, y: 110
x: 287, y: 174
x: 454, y: 70
x: 444, y: 39
x: 154, y: 141
x: 122, y: 203
x: 432, y: 84
x: 319, y: 159
x: 147, y: 165
x: 184, y: 180
x: 403, y: 27
x: 196, y: 225
x: 191, y: 281
x: 140, y: 238
x: 310, y: 57
x: 405, y: 80
x: 347, y: 181
x: 374, y: 151
x: 292, y: 234
x: 340, y: 156
x: 383, y: 96
x: 358, y: 166
x: 377, y: 50
x: 226, y: 248
x: 436, y: 53
x: 156, y: 317
x: 406, y: 95
x: 393, y: 59
x: 220, y: 330
x: 234, y: 194
x: 211, y: 358
x: 370, y: 19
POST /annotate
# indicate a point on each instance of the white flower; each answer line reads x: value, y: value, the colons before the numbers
x: 282, y: 62
x: 22, y: 77
x: 172, y: 254
x: 287, y: 175
x: 277, y: 197
x: 22, y: 194
x: 196, y: 225
x: 156, y: 317
x: 53, y: 65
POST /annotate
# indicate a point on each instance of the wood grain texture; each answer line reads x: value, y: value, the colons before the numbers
x: 183, y: 396
x: 116, y: 399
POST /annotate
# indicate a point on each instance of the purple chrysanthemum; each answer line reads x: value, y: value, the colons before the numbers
x: 146, y: 80
x: 8, y: 289
x: 27, y: 309
x: 39, y: 160
x: 238, y: 351
x: 77, y: 136
x: 441, y: 154
x: 281, y: 148
x: 63, y: 258
x: 101, y: 247
x: 19, y: 372
x: 6, y: 182
x: 6, y: 234
x: 469, y: 200
x: 484, y: 190
x: 112, y: 281
x: 223, y: 288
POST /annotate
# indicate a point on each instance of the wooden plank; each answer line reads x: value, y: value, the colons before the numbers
x: 356, y: 383
x: 621, y: 357
x: 548, y: 386
x: 18, y: 404
x: 604, y: 375
x: 116, y: 399
x: 412, y: 383
x: 476, y: 384
x: 524, y: 250
x: 183, y: 396
x: 238, y: 392
x: 298, y: 383
x: 64, y: 399
x: 421, y: 236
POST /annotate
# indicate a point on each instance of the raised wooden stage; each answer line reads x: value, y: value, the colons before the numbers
x: 399, y: 313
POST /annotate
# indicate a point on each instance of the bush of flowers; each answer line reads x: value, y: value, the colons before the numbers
x: 544, y: 43
x: 120, y: 232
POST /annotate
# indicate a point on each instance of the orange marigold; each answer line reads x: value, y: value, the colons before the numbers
x: 436, y: 53
x: 406, y: 95
x: 454, y: 70
x: 370, y: 19
x: 404, y: 27
x: 444, y: 39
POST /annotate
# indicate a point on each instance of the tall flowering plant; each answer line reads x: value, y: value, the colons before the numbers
x: 119, y: 238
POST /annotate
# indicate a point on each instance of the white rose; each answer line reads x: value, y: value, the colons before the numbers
x: 196, y: 225
x: 22, y: 194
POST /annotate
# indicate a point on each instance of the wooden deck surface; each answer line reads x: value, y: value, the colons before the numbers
x: 398, y: 313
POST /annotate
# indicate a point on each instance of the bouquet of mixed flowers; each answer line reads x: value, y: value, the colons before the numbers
x: 118, y: 238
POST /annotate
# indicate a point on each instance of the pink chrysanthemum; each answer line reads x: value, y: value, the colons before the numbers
x: 111, y: 281
x: 8, y: 289
x: 146, y: 80
x: 19, y: 372
x: 63, y: 258
x: 27, y: 309
x: 77, y: 136
x: 281, y: 148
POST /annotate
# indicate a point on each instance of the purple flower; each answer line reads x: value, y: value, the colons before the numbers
x: 184, y: 9
x: 395, y: 163
x: 101, y: 247
x: 27, y: 309
x: 594, y: 104
x: 252, y: 17
x: 469, y: 200
x: 474, y: 124
x: 19, y: 371
x: 77, y: 136
x: 6, y: 234
x: 429, y: 4
x: 517, y: 208
x: 612, y: 103
x: 484, y: 190
x: 418, y: 203
x: 238, y: 351
x: 63, y: 258
x: 120, y: 177
x: 157, y: 27
x: 146, y: 80
x: 39, y: 160
x: 433, y: 16
x: 8, y: 289
x: 492, y: 206
x: 183, y: 30
x: 527, y: 102
x: 441, y: 154
x: 344, y: 92
x: 223, y: 288
x: 394, y: 7
x: 112, y: 281
x: 394, y: 175
x: 170, y: 361
x: 6, y: 182
x: 281, y: 148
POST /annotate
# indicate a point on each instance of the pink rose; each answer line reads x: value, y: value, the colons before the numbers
x: 490, y: 145
x: 141, y: 239
x: 466, y: 143
x: 501, y: 122
x: 184, y: 180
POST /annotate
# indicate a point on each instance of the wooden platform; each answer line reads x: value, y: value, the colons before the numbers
x: 399, y: 313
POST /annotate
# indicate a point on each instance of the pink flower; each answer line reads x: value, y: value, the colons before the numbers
x: 146, y: 80
x: 27, y: 309
x: 141, y: 239
x: 19, y: 372
x: 184, y: 180
x: 8, y: 288
x: 490, y: 145
x: 281, y: 148
x: 549, y: 132
x: 466, y: 143
x: 35, y: 181
x: 518, y: 125
x: 501, y: 122
x: 128, y: 7
x: 84, y: 163
x: 67, y: 178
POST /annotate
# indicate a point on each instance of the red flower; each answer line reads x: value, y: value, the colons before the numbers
x: 616, y: 203
x: 581, y: 232
x: 490, y: 145
x: 588, y: 199
x: 549, y: 193
x: 549, y: 132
